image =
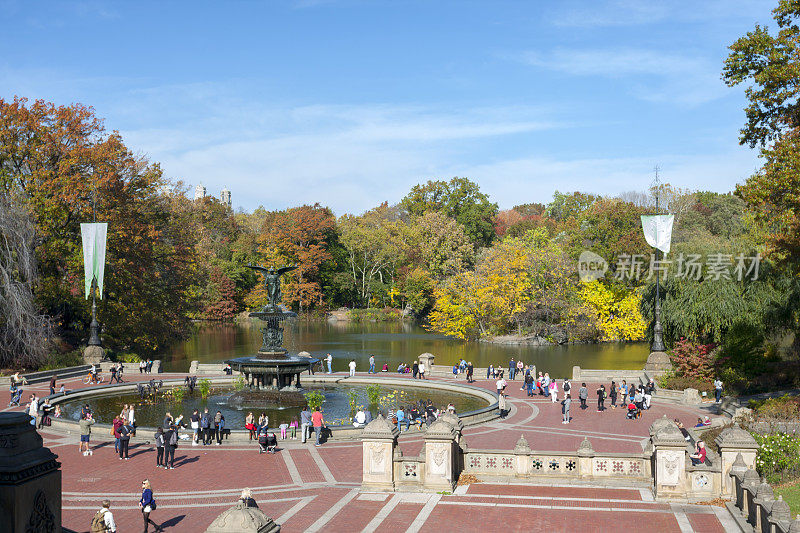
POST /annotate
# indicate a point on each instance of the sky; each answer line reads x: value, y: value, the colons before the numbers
x: 350, y: 103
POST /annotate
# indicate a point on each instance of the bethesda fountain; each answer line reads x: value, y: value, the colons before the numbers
x: 272, y: 368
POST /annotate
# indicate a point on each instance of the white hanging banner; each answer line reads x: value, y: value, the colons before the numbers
x: 94, y: 254
x: 658, y: 231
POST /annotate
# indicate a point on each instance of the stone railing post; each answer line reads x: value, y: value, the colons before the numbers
x: 736, y: 475
x: 762, y: 506
x: 780, y: 517
x: 734, y: 442
x: 670, y: 456
x: 378, y: 441
x: 576, y: 373
x: 440, y: 447
x: 750, y: 484
x: 30, y: 478
x: 461, y: 445
x: 585, y: 454
x: 428, y: 360
x: 522, y: 461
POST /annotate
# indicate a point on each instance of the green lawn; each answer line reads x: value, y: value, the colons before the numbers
x: 791, y: 495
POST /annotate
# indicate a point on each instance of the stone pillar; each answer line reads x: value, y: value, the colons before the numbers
x: 193, y: 367
x: 764, y: 498
x: 691, y: 397
x: 427, y: 359
x: 576, y: 373
x: 522, y: 458
x: 440, y: 446
x: 670, y: 456
x: 30, y: 478
x: 737, y: 472
x: 461, y: 445
x: 378, y: 441
x: 732, y: 442
x: 750, y: 484
x: 657, y: 363
x: 780, y: 516
x: 585, y: 454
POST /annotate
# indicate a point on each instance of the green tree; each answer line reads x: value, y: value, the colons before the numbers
x: 460, y: 199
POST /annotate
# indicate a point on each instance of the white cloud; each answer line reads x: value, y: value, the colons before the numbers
x: 654, y: 75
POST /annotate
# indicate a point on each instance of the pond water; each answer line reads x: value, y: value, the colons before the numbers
x: 336, y: 407
x: 394, y: 343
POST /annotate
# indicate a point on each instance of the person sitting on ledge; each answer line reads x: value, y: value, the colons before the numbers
x: 684, y: 431
x: 385, y: 367
x: 699, y: 457
x: 360, y: 420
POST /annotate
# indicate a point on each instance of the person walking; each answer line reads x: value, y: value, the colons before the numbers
x: 371, y: 364
x: 113, y: 371
x: 148, y: 505
x: 319, y: 422
x: 159, y: 438
x: 52, y: 385
x: 553, y: 387
x: 565, y: 403
x: 352, y: 366
x: 305, y: 423
x: 33, y: 409
x: 717, y: 390
x: 219, y: 423
x: 103, y: 520
x: 124, y: 440
x: 470, y: 371
x: 329, y: 360
x: 421, y: 370
x: 512, y: 369
x: 583, y: 394
x: 85, y: 424
x: 415, y: 370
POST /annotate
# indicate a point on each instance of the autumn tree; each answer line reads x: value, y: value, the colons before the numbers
x: 300, y: 236
x: 438, y: 244
x: 459, y: 199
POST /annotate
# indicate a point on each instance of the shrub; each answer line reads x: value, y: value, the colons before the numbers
x: 374, y: 394
x: 239, y: 383
x: 204, y: 387
x: 778, y: 459
x: 352, y: 398
x: 674, y: 382
x: 694, y: 360
x: 314, y: 399
x: 55, y: 361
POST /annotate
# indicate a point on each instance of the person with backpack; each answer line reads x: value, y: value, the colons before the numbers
x: 219, y: 423
x: 159, y: 438
x: 170, y: 442
x: 103, y: 520
x: 124, y: 440
x: 613, y: 394
x: 601, y: 398
x: 205, y: 427
x: 148, y: 505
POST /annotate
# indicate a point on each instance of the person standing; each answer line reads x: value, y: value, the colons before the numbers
x: 329, y: 359
x: 583, y: 394
x: 601, y: 398
x: 415, y: 370
x: 33, y: 409
x: 195, y: 425
x: 205, y: 426
x: 132, y: 420
x: 421, y: 370
x: 250, y: 424
x: 512, y: 369
x: 170, y: 443
x: 103, y: 520
x: 124, y: 440
x: 159, y: 438
x: 305, y: 422
x: 319, y: 422
x: 148, y: 504
x: 371, y: 364
x: 52, y: 385
x: 85, y: 424
x: 565, y: 403
x: 219, y: 425
x: 115, y: 430
x: 718, y: 390
x: 352, y: 366
x: 502, y: 405
x: 470, y: 371
x: 613, y: 395
x: 553, y: 391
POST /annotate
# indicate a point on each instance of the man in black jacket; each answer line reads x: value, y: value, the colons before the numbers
x: 170, y: 443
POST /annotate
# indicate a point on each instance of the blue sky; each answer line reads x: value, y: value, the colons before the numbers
x: 350, y: 103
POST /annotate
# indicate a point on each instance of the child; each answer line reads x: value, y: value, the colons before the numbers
x: 293, y: 426
x: 284, y: 427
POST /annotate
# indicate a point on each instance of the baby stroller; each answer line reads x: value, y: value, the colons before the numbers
x: 267, y: 442
x: 16, y: 396
x: 633, y: 412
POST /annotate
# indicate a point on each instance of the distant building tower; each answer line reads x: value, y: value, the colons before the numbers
x: 199, y: 192
x: 226, y: 197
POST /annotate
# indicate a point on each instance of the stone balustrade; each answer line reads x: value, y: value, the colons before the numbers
x: 754, y: 504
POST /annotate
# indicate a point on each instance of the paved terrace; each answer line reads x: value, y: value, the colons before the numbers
x: 305, y: 488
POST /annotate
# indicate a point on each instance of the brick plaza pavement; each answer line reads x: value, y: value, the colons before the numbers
x: 305, y: 488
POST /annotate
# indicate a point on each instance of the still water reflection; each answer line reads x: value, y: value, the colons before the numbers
x: 394, y: 342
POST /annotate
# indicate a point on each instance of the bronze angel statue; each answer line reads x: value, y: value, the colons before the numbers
x: 272, y: 281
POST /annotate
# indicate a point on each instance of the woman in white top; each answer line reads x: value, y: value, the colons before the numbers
x: 421, y: 370
x: 352, y: 368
